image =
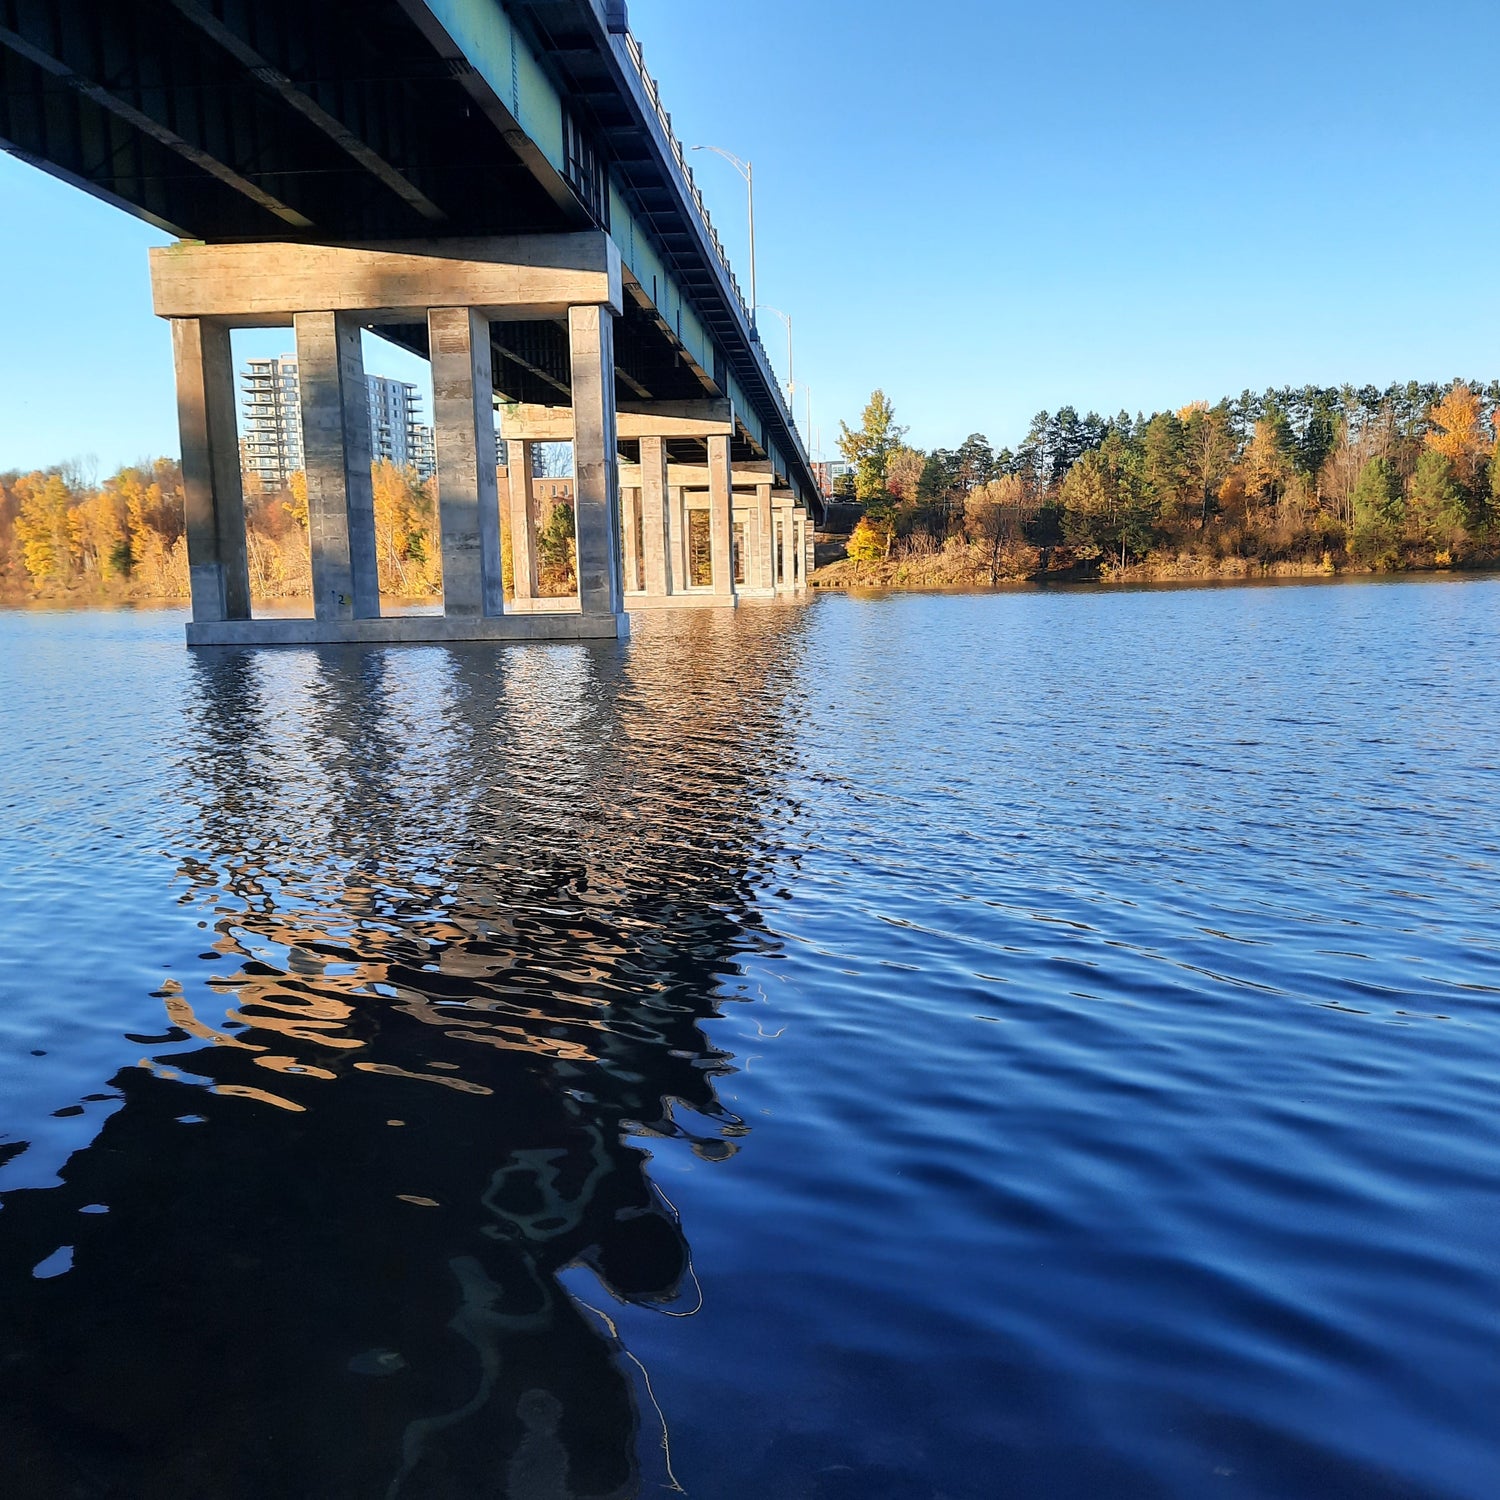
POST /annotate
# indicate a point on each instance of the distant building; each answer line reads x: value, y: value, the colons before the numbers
x: 827, y: 474
x: 395, y: 433
x: 271, y: 422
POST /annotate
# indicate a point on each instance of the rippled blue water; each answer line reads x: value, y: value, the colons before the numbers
x: 1039, y: 1045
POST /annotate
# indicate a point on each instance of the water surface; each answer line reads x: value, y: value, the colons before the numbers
x: 924, y: 1048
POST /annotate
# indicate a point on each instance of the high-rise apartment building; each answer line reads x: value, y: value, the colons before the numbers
x: 271, y: 423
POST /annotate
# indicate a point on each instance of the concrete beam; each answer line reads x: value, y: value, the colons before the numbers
x: 634, y: 420
x: 155, y: 128
x: 273, y: 78
x: 698, y: 476
x: 514, y: 279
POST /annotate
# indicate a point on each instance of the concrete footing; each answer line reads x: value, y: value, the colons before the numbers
x: 702, y: 600
x: 409, y: 630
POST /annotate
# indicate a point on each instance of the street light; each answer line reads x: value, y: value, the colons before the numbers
x: 791, y: 378
x: 747, y: 171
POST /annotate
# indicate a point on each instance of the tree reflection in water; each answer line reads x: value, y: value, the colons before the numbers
x: 466, y: 915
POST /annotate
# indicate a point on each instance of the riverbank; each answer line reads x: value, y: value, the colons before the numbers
x: 967, y: 567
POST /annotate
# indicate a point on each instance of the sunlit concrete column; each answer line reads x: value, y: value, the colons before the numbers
x: 787, y: 582
x: 215, y: 504
x: 766, y: 549
x: 677, y: 540
x: 721, y: 516
x: 336, y: 452
x: 655, y: 526
x: 467, y: 460
x: 809, y: 557
x: 522, y: 513
x: 630, y: 499
x: 596, y: 481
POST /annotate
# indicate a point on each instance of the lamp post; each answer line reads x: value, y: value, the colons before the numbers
x: 747, y: 171
x: 791, y: 376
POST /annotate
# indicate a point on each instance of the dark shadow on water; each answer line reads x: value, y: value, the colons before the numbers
x: 465, y: 917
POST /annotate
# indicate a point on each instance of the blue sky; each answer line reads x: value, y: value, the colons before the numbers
x: 985, y: 208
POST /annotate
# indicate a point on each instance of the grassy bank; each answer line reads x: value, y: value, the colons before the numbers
x: 963, y: 565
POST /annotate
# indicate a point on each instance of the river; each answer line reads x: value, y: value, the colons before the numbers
x: 1037, y: 1045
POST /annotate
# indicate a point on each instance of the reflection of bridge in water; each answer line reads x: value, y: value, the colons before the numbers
x: 465, y: 920
x: 493, y: 184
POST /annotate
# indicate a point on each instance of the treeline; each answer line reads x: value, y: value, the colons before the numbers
x: 1404, y: 477
x: 62, y: 535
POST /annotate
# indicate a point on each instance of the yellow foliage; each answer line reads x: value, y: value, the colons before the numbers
x: 1232, y: 491
x: 406, y: 549
x: 869, y: 543
x: 296, y: 503
x: 1459, y: 435
x: 44, y: 526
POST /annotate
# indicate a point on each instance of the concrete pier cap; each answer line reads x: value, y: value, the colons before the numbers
x: 327, y: 294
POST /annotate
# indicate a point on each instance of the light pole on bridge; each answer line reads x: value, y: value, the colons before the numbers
x: 791, y: 376
x: 747, y: 171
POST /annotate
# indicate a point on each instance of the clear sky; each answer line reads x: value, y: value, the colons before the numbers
x: 986, y: 207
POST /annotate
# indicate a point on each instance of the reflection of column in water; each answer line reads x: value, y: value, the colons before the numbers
x: 475, y: 909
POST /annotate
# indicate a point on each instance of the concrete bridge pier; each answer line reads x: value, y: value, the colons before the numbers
x: 328, y: 294
x: 218, y: 570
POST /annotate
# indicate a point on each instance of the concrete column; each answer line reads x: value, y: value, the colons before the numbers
x: 765, y: 525
x: 788, y: 561
x: 336, y: 451
x: 467, y: 459
x: 217, y: 566
x: 630, y: 502
x: 655, y: 526
x: 524, y: 571
x: 596, y: 468
x: 809, y: 555
x: 677, y: 540
x: 721, y: 515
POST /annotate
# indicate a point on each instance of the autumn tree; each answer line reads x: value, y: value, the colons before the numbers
x: 903, y: 473
x: 1459, y: 432
x: 1267, y: 462
x: 869, y: 447
x: 44, y: 527
x: 408, y: 560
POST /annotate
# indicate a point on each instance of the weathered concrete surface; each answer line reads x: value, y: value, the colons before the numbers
x: 633, y: 420
x: 215, y: 510
x: 411, y: 630
x: 520, y: 278
x: 522, y: 510
x: 336, y: 454
x: 630, y: 510
x: 591, y: 332
x: 765, y: 539
x: 468, y: 489
x: 655, y: 525
x: 721, y: 515
x: 745, y: 476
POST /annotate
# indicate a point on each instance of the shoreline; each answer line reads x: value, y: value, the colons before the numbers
x: 930, y: 576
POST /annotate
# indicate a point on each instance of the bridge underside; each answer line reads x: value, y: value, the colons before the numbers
x: 338, y: 122
x: 362, y: 126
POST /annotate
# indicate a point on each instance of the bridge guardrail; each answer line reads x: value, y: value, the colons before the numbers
x: 664, y: 119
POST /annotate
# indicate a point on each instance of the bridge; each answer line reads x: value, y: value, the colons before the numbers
x: 495, y: 185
